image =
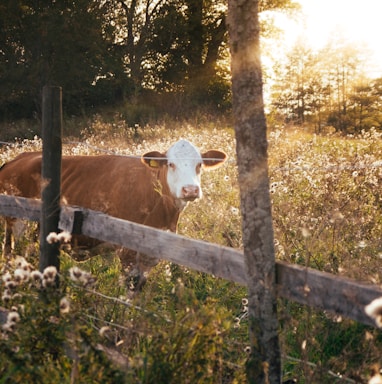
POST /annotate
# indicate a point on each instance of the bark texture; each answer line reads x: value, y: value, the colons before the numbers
x: 250, y: 127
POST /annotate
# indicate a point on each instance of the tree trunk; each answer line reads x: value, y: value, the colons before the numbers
x: 263, y: 365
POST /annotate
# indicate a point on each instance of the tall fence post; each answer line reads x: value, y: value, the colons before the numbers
x: 51, y: 174
x: 264, y: 360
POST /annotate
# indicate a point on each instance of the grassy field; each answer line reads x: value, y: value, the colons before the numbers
x: 189, y: 327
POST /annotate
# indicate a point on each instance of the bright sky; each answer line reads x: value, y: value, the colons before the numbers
x: 360, y: 21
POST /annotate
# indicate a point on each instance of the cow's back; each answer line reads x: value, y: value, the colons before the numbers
x: 119, y: 186
x: 22, y: 175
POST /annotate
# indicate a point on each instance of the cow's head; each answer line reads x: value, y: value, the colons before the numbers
x: 184, y: 163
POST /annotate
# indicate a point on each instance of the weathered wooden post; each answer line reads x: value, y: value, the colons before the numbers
x: 51, y: 174
x: 264, y: 363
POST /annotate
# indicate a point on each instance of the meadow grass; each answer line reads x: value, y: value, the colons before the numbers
x: 190, y: 327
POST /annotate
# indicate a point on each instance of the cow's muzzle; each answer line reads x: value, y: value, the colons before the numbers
x: 190, y: 192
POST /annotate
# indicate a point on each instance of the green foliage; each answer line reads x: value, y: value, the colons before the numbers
x: 104, y: 53
x: 45, y: 42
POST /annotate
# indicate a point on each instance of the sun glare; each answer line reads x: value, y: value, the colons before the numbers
x: 358, y: 22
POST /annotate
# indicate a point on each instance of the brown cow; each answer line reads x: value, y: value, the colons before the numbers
x: 150, y: 190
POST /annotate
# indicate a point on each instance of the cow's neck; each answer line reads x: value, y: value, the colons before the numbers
x: 166, y: 208
x: 180, y: 204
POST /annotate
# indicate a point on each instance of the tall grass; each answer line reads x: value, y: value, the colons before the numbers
x: 189, y: 327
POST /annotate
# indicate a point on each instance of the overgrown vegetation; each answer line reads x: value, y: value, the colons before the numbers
x: 189, y: 327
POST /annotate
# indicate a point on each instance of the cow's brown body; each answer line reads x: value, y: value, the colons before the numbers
x: 124, y: 187
x: 119, y: 186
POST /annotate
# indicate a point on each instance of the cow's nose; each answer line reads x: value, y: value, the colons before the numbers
x: 190, y: 192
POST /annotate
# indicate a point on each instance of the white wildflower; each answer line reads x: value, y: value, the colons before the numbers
x: 11, y: 284
x: 79, y: 276
x: 7, y: 295
x: 21, y: 275
x: 21, y: 263
x: 236, y: 322
x: 64, y: 237
x: 49, y: 276
x: 52, y: 238
x: 64, y: 305
x: 305, y: 232
x: 50, y: 272
x: 76, y: 273
x: 36, y: 276
x: 167, y: 269
x: 374, y: 310
x: 7, y: 277
x: 362, y: 244
x: 13, y: 317
x: 8, y: 327
x: 235, y: 210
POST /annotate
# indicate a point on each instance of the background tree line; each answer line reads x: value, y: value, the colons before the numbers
x: 328, y: 88
x: 111, y: 51
x: 168, y: 57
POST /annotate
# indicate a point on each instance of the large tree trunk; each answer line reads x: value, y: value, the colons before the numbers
x: 250, y: 127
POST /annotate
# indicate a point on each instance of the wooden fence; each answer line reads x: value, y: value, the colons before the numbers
x: 307, y: 286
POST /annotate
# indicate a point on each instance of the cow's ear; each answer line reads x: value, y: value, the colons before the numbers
x: 154, y: 159
x: 213, y: 158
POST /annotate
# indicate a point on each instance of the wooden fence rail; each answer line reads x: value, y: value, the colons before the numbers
x: 307, y: 286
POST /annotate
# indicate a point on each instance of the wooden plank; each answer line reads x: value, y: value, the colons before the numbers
x: 323, y: 290
x: 303, y: 285
x: 199, y: 255
x: 20, y: 207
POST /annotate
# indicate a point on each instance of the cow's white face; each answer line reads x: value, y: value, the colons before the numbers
x: 184, y: 168
x: 184, y: 164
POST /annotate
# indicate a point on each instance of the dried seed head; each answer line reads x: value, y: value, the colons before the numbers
x: 75, y: 273
x: 21, y: 275
x: 52, y: 238
x: 64, y: 305
x: 79, y: 276
x: 64, y: 237
x: 374, y: 310
x: 7, y: 295
x: 12, y: 284
x: 8, y: 327
x: 7, y: 277
x: 50, y: 273
x: 13, y: 317
x: 36, y: 276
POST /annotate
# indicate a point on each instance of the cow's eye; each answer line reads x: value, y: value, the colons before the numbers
x: 172, y: 166
x: 198, y: 168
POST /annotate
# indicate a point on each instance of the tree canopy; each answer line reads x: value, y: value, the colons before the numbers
x: 103, y: 52
x: 171, y: 56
